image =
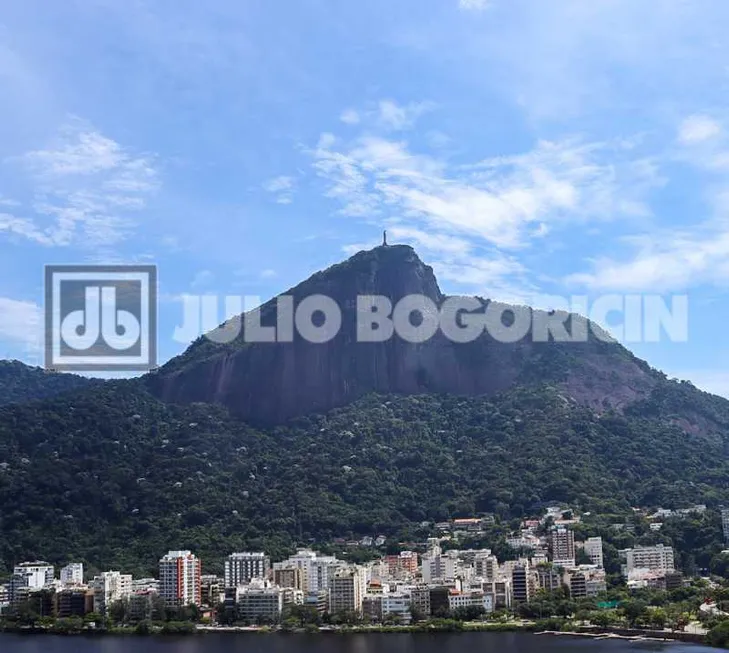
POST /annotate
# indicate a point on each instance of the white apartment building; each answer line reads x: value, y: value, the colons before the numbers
x: 109, y: 587
x: 260, y: 602
x: 593, y: 548
x: 72, y: 574
x: 34, y: 575
x: 317, y: 570
x: 651, y: 558
x: 145, y: 585
x: 240, y: 568
x: 398, y: 603
x: 439, y: 566
x: 476, y: 598
x: 28, y: 576
x: 179, y: 579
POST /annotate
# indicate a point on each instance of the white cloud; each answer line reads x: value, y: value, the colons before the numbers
x: 85, y: 185
x: 268, y: 273
x: 677, y: 258
x: 392, y: 115
x: 350, y: 117
x: 669, y: 260
x: 282, y: 187
x: 474, y: 5
x: 504, y: 201
x: 21, y: 322
x: 697, y: 129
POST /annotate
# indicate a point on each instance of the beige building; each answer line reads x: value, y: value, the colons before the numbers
x: 346, y: 590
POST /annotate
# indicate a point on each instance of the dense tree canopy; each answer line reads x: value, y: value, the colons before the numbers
x: 114, y: 477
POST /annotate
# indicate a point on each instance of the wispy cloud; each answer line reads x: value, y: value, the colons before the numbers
x: 467, y: 217
x: 350, y: 117
x: 282, y: 188
x: 394, y: 116
x: 503, y: 201
x: 21, y: 322
x: 678, y: 257
x: 85, y: 186
x: 474, y: 5
x: 697, y: 129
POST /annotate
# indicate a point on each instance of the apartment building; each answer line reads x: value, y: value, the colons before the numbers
x: 241, y: 568
x: 110, y: 587
x: 346, y: 590
x: 317, y: 570
x: 180, y: 579
x: 397, y: 604
x: 651, y: 558
x: 72, y: 574
x: 259, y: 602
x: 592, y: 547
x: 562, y: 546
x: 520, y: 585
x: 289, y: 577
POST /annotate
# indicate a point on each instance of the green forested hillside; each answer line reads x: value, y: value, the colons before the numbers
x: 19, y: 383
x: 114, y: 477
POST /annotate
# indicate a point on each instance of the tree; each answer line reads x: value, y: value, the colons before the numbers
x: 718, y: 636
x: 658, y: 618
x: 416, y: 614
x: 633, y: 610
x: 602, y: 618
x: 118, y: 611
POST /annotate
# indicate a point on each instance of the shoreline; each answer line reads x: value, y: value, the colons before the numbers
x: 528, y: 628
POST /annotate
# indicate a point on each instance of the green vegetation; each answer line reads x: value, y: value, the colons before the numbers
x: 20, y: 383
x: 114, y: 477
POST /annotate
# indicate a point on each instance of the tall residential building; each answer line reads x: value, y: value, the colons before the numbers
x: 28, y: 576
x: 34, y: 575
x: 346, y: 590
x: 110, y: 587
x: 549, y: 578
x: 486, y: 565
x: 289, y: 577
x: 562, y: 546
x: 593, y: 548
x: 179, y: 579
x: 520, y: 583
x: 725, y: 523
x: 240, y: 568
x: 652, y: 558
x: 317, y: 570
x: 439, y: 566
x: 578, y: 586
x: 72, y: 574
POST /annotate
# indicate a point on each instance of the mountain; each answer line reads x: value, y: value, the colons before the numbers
x: 20, y: 383
x: 269, y: 383
x: 114, y: 477
x: 259, y: 445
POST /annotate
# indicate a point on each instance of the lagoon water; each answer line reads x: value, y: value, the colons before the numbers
x: 335, y: 643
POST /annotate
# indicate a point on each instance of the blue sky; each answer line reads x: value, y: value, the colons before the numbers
x: 523, y: 147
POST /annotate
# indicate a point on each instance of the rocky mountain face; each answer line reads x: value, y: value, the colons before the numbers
x: 269, y: 383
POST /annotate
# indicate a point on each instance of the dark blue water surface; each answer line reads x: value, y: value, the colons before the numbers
x: 334, y: 643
